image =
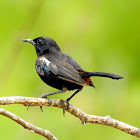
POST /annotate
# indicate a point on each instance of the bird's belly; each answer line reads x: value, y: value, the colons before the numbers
x: 58, y: 83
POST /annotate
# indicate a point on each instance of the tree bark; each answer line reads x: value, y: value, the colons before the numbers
x: 84, y: 117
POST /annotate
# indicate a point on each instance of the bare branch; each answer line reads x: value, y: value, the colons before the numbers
x: 27, y: 125
x: 85, y: 118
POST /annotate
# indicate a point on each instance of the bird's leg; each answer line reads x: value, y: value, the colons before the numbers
x: 69, y: 98
x: 45, y: 95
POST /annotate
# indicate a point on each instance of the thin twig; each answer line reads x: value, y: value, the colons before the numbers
x: 27, y: 125
x: 85, y: 118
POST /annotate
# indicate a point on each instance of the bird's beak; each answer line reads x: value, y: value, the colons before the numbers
x: 29, y: 40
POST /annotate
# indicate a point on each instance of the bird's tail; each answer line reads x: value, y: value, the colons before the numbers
x: 103, y: 74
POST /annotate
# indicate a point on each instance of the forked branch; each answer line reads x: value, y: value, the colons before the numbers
x: 85, y: 118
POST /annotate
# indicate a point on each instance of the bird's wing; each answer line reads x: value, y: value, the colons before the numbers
x: 61, y: 69
x: 45, y: 68
x: 72, y: 62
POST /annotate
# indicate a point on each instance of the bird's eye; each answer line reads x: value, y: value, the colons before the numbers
x: 39, y: 41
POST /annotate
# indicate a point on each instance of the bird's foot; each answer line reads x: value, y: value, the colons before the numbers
x: 67, y: 106
x: 45, y: 97
x: 41, y: 109
x: 27, y: 108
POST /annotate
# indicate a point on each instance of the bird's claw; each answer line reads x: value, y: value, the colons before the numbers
x: 41, y: 108
x: 64, y: 112
x: 45, y: 97
x: 27, y: 108
x: 67, y: 106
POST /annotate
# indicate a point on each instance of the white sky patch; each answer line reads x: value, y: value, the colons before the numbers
x: 45, y: 60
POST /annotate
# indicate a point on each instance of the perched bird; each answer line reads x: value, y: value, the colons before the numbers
x: 60, y: 70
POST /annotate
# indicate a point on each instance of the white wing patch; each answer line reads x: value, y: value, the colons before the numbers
x: 43, y: 59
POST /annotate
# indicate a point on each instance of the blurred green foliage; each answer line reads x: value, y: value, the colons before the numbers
x: 101, y: 35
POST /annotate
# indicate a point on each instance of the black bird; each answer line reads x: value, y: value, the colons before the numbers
x: 60, y: 70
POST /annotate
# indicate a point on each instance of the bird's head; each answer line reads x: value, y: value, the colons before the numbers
x: 43, y: 45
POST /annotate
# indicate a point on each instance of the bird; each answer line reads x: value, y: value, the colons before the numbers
x: 60, y: 70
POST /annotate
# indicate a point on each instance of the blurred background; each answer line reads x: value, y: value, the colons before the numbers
x: 101, y: 35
